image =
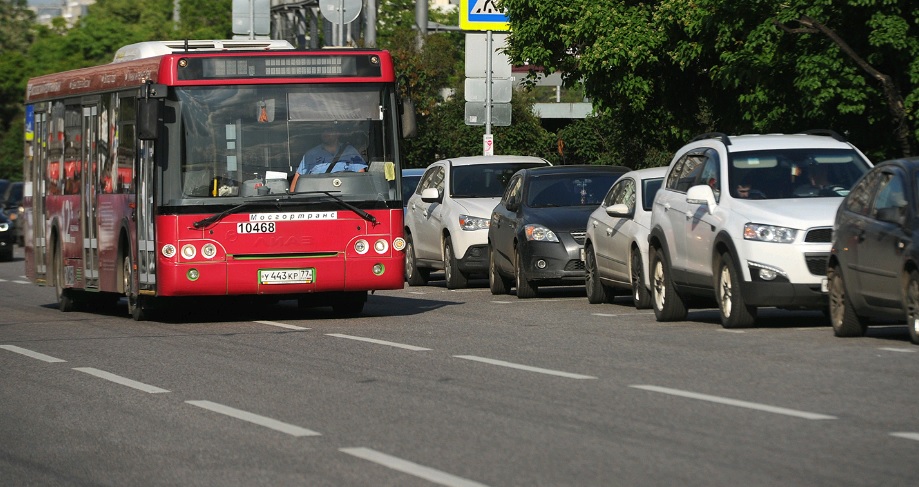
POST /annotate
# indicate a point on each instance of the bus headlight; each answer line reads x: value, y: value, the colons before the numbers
x: 361, y: 246
x: 169, y: 251
x: 398, y: 244
x: 209, y: 251
x: 192, y: 274
x: 378, y: 269
x: 188, y: 251
x: 381, y: 246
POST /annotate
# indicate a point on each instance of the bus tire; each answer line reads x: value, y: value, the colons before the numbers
x: 135, y: 303
x: 349, y: 304
x: 65, y: 301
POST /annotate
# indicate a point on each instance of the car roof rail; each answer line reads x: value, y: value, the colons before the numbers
x: 826, y: 133
x: 713, y: 135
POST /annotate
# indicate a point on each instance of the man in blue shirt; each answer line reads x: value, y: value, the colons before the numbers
x: 329, y: 156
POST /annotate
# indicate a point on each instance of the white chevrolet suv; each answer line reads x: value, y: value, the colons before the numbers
x: 747, y: 221
x: 446, y: 219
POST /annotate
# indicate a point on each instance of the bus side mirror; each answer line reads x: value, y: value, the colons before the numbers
x: 148, y: 116
x: 409, y: 126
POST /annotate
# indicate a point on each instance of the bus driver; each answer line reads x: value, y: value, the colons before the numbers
x: 331, y: 155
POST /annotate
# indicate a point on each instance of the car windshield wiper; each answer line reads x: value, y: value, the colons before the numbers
x: 363, y: 214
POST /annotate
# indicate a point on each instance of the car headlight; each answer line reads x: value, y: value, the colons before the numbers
x: 769, y: 233
x: 539, y: 233
x: 4, y: 227
x: 470, y: 223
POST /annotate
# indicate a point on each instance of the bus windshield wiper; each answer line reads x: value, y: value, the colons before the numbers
x: 363, y: 214
x: 229, y: 211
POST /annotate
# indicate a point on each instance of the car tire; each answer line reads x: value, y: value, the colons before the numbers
x: 596, y: 291
x: 667, y: 304
x: 497, y: 283
x: 843, y: 318
x: 454, y: 277
x: 525, y: 288
x: 413, y: 275
x: 641, y: 298
x: 911, y: 300
x: 735, y: 313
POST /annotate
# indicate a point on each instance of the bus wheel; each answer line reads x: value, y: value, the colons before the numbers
x: 135, y: 303
x: 349, y: 304
x: 65, y: 301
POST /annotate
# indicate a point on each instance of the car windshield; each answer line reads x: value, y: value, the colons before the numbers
x: 484, y: 180
x: 574, y: 189
x: 794, y: 173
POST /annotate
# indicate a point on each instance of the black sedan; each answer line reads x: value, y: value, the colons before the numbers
x: 873, y: 270
x: 7, y: 237
x: 536, y: 233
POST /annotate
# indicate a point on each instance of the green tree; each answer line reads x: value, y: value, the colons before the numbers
x: 15, y: 38
x: 669, y: 68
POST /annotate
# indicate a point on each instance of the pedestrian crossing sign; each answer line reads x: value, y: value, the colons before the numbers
x: 482, y: 15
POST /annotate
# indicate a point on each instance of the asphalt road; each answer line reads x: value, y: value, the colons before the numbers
x: 455, y: 388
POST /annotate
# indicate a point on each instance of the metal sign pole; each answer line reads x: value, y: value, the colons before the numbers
x: 489, y: 49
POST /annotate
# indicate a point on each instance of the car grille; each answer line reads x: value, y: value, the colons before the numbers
x: 575, y: 265
x: 816, y: 263
x: 579, y: 237
x: 819, y: 235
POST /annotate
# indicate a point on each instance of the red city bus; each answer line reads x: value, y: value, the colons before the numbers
x: 167, y: 173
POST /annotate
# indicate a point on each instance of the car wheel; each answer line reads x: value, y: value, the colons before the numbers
x: 596, y: 292
x: 454, y: 277
x: 912, y: 306
x: 734, y: 312
x: 497, y: 283
x: 413, y: 275
x: 641, y: 298
x: 843, y: 318
x: 65, y: 301
x: 525, y: 289
x: 667, y: 304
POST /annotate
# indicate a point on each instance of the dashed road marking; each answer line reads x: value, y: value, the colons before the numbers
x: 734, y: 402
x: 411, y: 468
x: 527, y: 368
x: 140, y: 386
x: 902, y: 350
x: 282, y: 325
x: 253, y: 418
x: 30, y: 353
x: 908, y: 436
x: 378, y: 342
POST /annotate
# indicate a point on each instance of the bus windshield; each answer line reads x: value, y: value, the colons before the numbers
x: 241, y: 142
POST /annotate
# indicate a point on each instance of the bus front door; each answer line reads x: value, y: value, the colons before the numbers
x: 88, y: 200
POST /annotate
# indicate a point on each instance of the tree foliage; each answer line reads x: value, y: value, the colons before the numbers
x: 668, y: 68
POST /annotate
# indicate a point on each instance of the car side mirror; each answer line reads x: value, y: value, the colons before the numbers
x: 892, y: 215
x: 619, y: 210
x: 701, y: 194
x: 511, y: 206
x: 430, y: 195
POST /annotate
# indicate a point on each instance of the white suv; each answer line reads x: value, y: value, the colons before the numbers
x: 748, y: 220
x: 446, y: 219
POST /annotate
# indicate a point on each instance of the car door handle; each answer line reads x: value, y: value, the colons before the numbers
x: 609, y: 231
x: 666, y: 206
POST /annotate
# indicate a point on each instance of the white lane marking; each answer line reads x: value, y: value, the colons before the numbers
x: 411, y: 468
x: 140, y: 386
x: 735, y: 402
x: 903, y: 350
x: 2, y: 280
x: 29, y: 353
x: 610, y: 315
x: 908, y: 436
x: 524, y: 367
x: 722, y: 330
x: 378, y: 342
x: 22, y: 282
x: 282, y: 325
x: 253, y: 418
x: 502, y: 302
x: 417, y: 292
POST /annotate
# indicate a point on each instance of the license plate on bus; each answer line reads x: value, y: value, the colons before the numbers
x: 286, y: 276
